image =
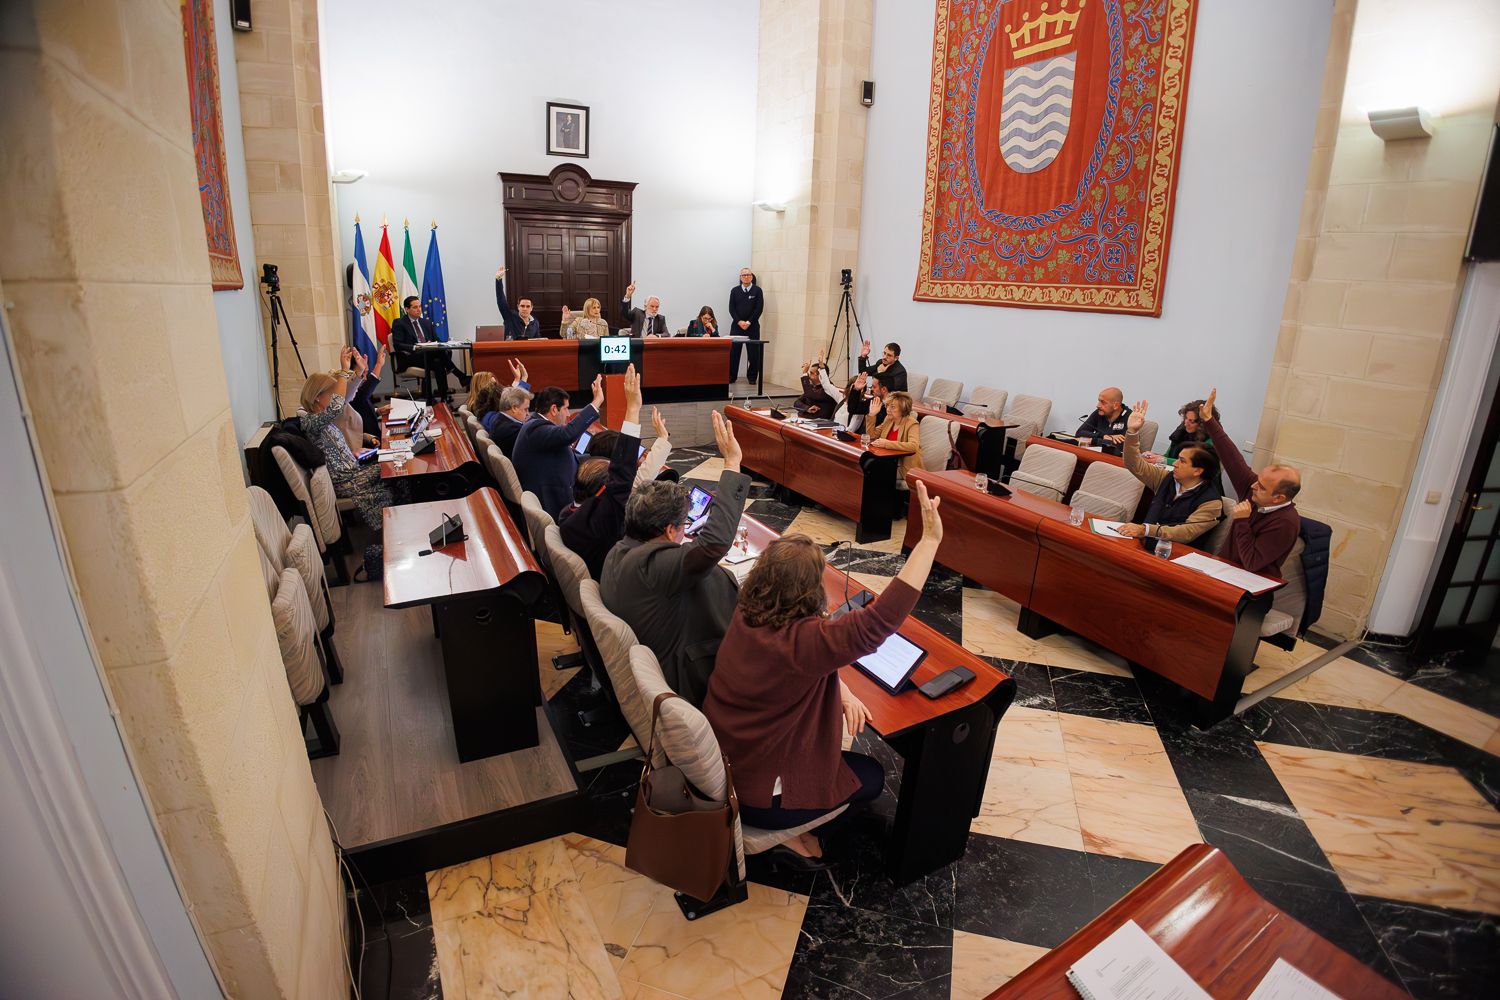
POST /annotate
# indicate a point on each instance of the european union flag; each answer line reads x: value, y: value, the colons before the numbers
x: 434, y: 302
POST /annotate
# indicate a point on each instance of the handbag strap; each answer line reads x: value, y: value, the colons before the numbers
x: 655, y: 715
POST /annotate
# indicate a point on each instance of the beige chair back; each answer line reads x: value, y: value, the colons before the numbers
x: 1149, y: 429
x: 1214, y: 538
x: 936, y: 437
x: 503, y: 472
x: 945, y: 391
x: 1045, y: 472
x: 1029, y: 414
x: 315, y: 492
x: 295, y: 549
x: 567, y: 568
x: 296, y: 636
x: 986, y: 404
x: 1288, y: 603
x: 1108, y: 491
x: 916, y: 385
x: 615, y: 640
x: 537, y: 523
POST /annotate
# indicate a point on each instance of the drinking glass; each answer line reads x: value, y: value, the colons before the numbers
x: 864, y: 441
x: 742, y: 538
x: 981, y: 481
x: 1163, y: 548
x: 1075, y: 516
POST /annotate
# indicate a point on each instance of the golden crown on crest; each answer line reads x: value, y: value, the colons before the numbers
x: 1047, y: 31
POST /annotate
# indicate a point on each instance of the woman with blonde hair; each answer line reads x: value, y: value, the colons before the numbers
x: 589, y: 326
x: 899, y: 432
x: 477, y: 383
x: 323, y: 396
x: 775, y: 699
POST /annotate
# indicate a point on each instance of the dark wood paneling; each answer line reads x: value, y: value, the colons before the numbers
x: 567, y: 239
x: 1223, y: 934
x: 548, y: 362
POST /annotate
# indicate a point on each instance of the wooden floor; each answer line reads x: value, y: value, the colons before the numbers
x: 398, y: 772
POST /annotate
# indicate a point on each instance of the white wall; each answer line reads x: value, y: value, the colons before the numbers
x: 1252, y: 101
x: 242, y: 339
x: 436, y: 101
x: 1458, y: 411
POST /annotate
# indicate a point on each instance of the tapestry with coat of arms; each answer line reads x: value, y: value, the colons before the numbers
x: 1053, y: 138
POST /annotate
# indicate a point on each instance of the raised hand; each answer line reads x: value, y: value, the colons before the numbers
x: 499, y: 274
x: 729, y: 448
x: 630, y: 290
x: 805, y: 366
x: 361, y: 363
x: 518, y: 370
x: 932, y: 524
x: 380, y: 357
x: 632, y: 388
x: 1206, y: 411
x: 864, y: 349
x: 598, y: 388
x: 566, y: 313
x: 821, y: 362
x: 659, y: 425
x: 1137, y: 418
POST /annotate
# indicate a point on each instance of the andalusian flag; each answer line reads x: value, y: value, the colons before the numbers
x: 383, y: 290
x: 407, y: 279
x: 362, y: 331
x: 434, y: 300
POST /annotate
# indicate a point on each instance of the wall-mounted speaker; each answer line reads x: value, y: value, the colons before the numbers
x: 239, y: 14
x: 867, y: 93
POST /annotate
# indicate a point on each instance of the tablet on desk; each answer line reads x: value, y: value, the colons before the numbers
x: 892, y: 665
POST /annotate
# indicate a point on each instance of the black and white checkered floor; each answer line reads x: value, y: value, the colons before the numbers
x: 1363, y: 801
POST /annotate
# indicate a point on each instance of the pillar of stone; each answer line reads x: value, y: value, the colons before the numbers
x: 1374, y: 287
x: 810, y: 156
x: 286, y: 161
x: 105, y: 271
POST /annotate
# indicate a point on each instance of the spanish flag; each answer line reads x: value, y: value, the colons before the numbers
x: 383, y: 290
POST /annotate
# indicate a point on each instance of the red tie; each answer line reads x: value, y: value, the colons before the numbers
x: 421, y: 337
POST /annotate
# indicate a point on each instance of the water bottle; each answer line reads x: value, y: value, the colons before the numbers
x: 1163, y: 548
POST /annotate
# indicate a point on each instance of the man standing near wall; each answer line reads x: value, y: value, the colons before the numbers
x: 746, y: 303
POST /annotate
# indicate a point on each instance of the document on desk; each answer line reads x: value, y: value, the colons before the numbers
x: 1232, y: 575
x: 1109, y: 529
x: 1287, y: 982
x: 1128, y: 965
x: 403, y: 409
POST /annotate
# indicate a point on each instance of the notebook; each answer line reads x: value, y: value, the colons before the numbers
x: 1128, y: 965
x: 1232, y: 575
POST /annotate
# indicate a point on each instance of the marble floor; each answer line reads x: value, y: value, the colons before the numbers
x: 1362, y: 800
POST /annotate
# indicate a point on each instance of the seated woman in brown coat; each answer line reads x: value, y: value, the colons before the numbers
x: 899, y: 432
x: 775, y: 699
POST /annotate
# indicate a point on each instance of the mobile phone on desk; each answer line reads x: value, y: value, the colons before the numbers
x: 996, y: 488
x: 948, y: 680
x: 368, y: 455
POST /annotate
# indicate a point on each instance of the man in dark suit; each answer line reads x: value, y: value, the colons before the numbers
x: 746, y: 302
x: 410, y: 330
x: 519, y: 323
x: 676, y: 597
x: 543, y: 453
x: 647, y: 322
x: 889, y: 370
x: 596, y: 521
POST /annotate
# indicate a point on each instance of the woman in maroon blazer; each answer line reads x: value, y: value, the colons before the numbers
x: 775, y: 699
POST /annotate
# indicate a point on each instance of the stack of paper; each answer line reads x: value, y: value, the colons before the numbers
x: 1128, y: 965
x: 1232, y: 575
x: 1109, y: 529
x: 1286, y: 982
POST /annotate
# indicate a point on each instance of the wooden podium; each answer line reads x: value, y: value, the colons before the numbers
x: 614, y: 401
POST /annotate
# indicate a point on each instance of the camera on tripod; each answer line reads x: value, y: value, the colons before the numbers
x: 846, y: 277
x: 270, y: 278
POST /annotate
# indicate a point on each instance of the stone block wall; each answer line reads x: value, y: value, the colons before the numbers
x: 105, y: 272
x: 1375, y: 283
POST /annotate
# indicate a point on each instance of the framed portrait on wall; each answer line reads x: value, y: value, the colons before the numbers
x: 567, y: 130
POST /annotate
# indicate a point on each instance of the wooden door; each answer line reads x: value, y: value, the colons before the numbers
x: 542, y: 274
x: 592, y: 270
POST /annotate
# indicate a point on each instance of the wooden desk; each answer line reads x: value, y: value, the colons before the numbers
x: 857, y: 483
x: 672, y: 368
x: 1087, y: 457
x: 481, y: 591
x: 1197, y: 632
x: 980, y: 445
x: 449, y: 470
x: 946, y: 743
x: 1223, y: 934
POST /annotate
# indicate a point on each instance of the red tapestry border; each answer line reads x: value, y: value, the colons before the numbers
x: 202, y: 53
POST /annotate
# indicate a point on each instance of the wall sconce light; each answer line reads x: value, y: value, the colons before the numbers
x: 349, y: 176
x: 1394, y: 124
x: 771, y: 206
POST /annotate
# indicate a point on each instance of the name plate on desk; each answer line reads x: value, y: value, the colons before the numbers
x: 614, y: 349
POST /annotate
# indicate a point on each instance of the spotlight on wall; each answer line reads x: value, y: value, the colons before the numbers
x: 771, y: 206
x: 1393, y: 124
x: 349, y: 176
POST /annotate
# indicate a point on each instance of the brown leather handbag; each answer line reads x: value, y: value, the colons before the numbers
x: 677, y: 837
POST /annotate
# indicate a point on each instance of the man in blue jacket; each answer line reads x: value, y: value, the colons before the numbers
x: 519, y: 323
x: 746, y: 303
x: 543, y: 454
